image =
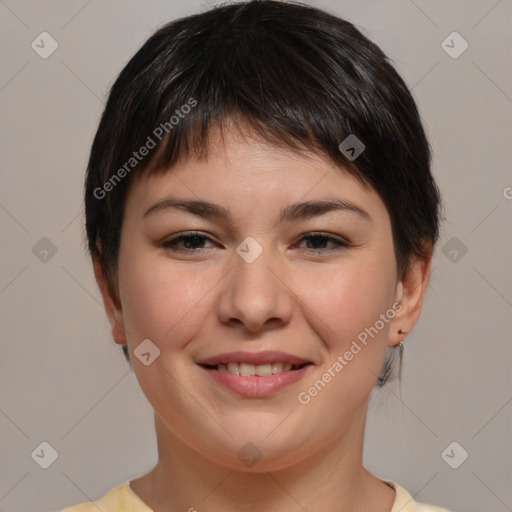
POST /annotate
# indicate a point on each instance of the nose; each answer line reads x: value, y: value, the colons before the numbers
x: 256, y: 295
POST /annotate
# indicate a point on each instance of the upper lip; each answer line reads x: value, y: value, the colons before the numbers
x: 255, y: 358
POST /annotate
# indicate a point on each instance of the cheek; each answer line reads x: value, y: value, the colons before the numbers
x: 344, y: 309
x: 345, y: 300
x: 162, y: 301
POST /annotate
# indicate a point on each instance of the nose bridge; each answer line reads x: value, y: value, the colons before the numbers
x: 254, y: 295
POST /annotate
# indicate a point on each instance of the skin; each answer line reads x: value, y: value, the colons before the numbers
x: 291, y: 298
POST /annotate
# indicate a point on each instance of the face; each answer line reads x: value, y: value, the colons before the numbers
x: 268, y: 275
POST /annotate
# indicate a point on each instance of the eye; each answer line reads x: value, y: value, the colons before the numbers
x: 319, y: 240
x: 190, y: 242
x: 194, y: 242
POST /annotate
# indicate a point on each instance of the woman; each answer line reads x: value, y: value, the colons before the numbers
x: 261, y: 217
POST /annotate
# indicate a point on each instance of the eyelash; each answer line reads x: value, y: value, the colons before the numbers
x: 173, y: 242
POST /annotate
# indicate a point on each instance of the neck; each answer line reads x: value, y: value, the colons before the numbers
x: 330, y: 479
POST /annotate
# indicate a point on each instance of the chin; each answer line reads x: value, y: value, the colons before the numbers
x: 261, y: 450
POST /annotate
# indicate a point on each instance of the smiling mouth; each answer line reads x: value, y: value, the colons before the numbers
x: 249, y: 370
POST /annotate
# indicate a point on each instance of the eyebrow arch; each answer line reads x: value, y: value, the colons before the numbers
x: 293, y: 212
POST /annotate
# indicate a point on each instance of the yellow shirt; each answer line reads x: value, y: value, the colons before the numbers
x: 123, y: 499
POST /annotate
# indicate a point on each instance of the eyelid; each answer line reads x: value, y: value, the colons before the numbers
x: 332, y: 236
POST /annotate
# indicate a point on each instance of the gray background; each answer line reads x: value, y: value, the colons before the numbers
x: 64, y: 381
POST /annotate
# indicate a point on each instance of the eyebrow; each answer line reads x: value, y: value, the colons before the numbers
x: 292, y: 212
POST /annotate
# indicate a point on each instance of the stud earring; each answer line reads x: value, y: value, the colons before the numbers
x: 402, y: 331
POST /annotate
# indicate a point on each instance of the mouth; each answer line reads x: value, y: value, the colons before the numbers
x: 255, y: 381
x: 251, y: 370
x: 255, y: 374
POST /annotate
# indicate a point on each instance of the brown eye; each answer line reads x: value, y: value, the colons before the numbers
x: 191, y: 242
x: 318, y: 242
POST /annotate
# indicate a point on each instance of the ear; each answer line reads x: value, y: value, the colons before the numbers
x: 410, y: 292
x: 111, y: 303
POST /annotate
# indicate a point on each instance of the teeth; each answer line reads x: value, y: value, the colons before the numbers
x: 277, y: 367
x: 247, y: 370
x: 234, y: 368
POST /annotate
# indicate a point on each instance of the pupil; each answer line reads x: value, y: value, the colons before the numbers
x: 317, y: 241
x: 192, y: 240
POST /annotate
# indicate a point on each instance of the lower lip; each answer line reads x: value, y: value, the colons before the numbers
x: 254, y: 386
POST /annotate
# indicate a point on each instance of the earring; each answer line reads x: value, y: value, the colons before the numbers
x: 402, y: 331
x: 401, y: 355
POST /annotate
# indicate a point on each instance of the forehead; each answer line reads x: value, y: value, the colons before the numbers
x: 241, y: 170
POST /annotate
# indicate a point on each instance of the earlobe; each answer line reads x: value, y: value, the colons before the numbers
x: 112, y: 305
